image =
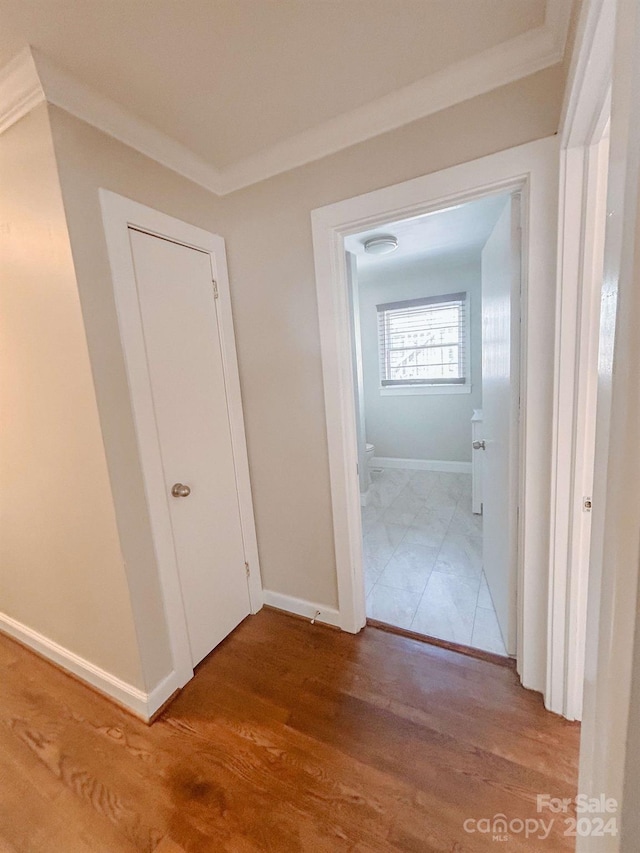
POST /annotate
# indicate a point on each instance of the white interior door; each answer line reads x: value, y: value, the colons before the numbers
x: 500, y: 402
x: 358, y: 380
x: 183, y: 346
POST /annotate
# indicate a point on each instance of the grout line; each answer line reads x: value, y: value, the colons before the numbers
x: 447, y: 530
x: 423, y: 500
x: 475, y: 610
x: 437, y: 554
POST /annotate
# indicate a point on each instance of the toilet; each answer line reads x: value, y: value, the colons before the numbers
x: 370, y: 451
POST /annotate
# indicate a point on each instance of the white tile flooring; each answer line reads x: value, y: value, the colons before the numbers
x: 423, y: 558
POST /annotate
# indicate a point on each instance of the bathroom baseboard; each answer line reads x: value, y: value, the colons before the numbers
x: 421, y: 464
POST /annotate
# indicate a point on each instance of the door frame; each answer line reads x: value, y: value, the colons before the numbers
x: 609, y: 740
x: 532, y: 169
x: 584, y: 152
x: 118, y: 213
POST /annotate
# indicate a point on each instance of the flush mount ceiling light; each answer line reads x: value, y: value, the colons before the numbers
x: 381, y: 245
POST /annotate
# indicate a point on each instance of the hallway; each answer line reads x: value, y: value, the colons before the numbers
x: 289, y: 738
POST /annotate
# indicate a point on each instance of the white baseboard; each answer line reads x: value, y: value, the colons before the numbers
x: 301, y: 607
x: 421, y: 464
x: 161, y: 693
x: 364, y: 498
x: 140, y: 703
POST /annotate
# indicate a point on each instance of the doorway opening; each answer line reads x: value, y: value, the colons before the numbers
x: 435, y: 315
x: 531, y: 171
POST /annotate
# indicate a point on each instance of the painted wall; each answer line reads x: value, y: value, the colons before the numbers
x: 61, y: 568
x: 268, y: 233
x: 87, y: 160
x: 420, y: 426
x: 269, y: 245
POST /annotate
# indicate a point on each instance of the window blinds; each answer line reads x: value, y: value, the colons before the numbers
x: 423, y: 341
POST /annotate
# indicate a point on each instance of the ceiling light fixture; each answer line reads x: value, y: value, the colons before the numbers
x: 381, y: 245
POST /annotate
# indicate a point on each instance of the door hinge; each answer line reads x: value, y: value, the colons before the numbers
x: 247, y: 569
x: 215, y: 288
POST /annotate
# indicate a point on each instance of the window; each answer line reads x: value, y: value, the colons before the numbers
x: 423, y: 342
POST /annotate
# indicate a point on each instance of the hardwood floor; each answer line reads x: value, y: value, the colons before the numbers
x: 291, y: 737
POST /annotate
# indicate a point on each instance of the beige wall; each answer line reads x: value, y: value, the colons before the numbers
x: 61, y: 569
x: 87, y: 160
x: 268, y: 234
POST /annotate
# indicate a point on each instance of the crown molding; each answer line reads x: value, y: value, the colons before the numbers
x: 20, y: 89
x: 505, y: 63
x: 64, y: 91
x: 32, y: 78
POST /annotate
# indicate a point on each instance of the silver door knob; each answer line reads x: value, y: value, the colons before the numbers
x: 180, y: 491
x: 479, y: 445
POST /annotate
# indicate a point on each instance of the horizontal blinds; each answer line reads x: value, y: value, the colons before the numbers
x: 423, y: 341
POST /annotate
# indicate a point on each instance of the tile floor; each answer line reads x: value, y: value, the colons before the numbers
x: 423, y: 558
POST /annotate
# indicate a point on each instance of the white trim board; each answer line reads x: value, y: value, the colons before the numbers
x: 582, y: 217
x: 34, y: 78
x: 421, y: 464
x: 533, y: 170
x: 302, y: 607
x: 589, y: 86
x: 142, y: 704
x: 20, y: 89
x: 505, y: 63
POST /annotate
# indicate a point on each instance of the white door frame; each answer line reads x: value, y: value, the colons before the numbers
x: 534, y: 169
x: 609, y: 736
x: 581, y: 228
x: 118, y: 214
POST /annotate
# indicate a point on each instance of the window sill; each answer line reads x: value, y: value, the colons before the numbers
x: 402, y: 390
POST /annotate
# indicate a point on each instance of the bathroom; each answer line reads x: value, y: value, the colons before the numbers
x: 417, y: 320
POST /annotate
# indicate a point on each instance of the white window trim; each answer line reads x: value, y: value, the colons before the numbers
x: 439, y: 387
x: 402, y: 390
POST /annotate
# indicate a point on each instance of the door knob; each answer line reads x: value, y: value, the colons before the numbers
x: 479, y: 445
x: 180, y: 491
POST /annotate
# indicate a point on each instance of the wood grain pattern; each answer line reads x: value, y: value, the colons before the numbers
x: 500, y: 660
x: 290, y: 737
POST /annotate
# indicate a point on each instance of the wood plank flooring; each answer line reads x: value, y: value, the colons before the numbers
x: 291, y: 737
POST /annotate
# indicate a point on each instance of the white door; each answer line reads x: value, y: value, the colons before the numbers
x: 500, y: 403
x: 182, y: 339
x: 358, y: 380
